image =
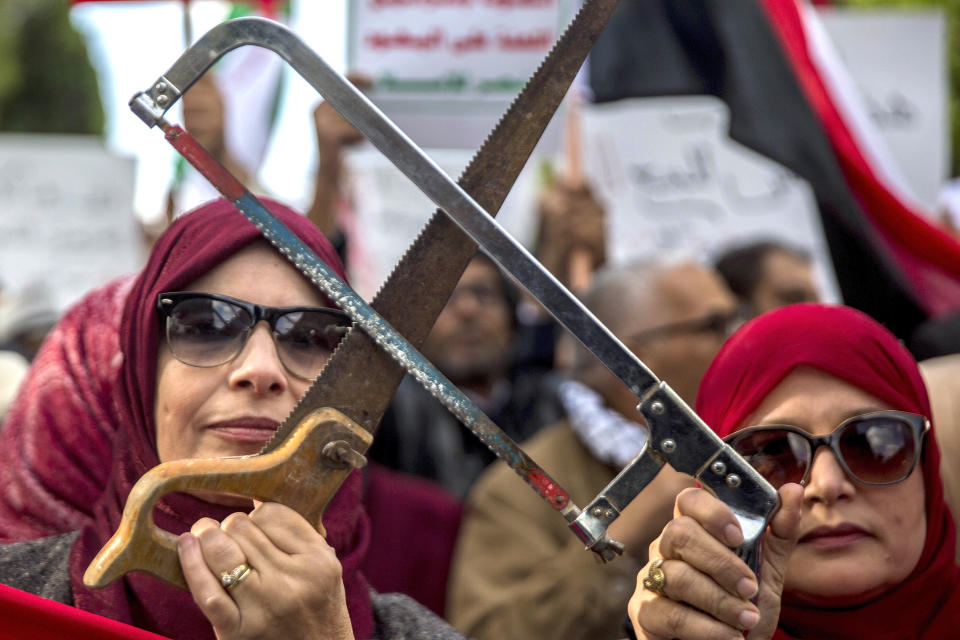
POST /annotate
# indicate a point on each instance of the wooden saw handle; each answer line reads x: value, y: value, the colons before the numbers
x: 303, y: 473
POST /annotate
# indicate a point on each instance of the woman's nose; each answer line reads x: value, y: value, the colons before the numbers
x: 828, y: 481
x: 258, y: 368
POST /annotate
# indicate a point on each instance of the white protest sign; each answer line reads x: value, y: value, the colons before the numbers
x: 897, y: 59
x: 66, y: 214
x: 444, y: 70
x: 674, y: 183
x: 389, y: 211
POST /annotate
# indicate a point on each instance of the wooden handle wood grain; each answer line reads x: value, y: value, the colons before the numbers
x: 304, y: 473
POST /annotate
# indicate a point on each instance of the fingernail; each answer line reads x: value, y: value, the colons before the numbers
x: 186, y: 540
x: 747, y: 587
x: 733, y: 535
x: 749, y: 618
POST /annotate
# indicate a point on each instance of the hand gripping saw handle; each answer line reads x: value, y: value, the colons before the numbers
x: 677, y: 436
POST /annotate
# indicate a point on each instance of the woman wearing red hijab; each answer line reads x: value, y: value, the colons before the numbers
x: 864, y: 549
x: 203, y: 375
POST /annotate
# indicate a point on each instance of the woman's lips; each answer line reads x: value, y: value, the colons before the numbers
x: 834, y: 537
x: 245, y: 430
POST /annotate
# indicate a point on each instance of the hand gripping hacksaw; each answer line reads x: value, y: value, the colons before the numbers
x: 325, y: 435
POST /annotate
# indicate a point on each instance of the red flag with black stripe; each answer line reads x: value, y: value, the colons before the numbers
x: 756, y: 56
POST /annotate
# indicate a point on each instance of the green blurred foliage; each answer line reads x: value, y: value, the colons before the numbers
x: 951, y: 10
x: 47, y: 83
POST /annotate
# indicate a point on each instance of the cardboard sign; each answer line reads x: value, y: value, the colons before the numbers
x: 67, y: 214
x: 388, y: 212
x: 674, y: 183
x: 897, y: 60
x: 444, y: 70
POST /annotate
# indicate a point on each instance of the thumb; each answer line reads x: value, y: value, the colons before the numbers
x: 779, y: 542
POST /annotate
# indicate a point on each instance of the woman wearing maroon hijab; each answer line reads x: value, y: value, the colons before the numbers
x: 864, y: 549
x: 203, y: 375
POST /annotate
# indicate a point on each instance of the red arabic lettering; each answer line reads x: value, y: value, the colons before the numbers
x: 389, y: 4
x: 471, y: 42
x: 536, y: 40
x: 519, y: 4
x: 403, y: 39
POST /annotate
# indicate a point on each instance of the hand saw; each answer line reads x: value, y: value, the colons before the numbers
x: 676, y: 433
x: 360, y: 378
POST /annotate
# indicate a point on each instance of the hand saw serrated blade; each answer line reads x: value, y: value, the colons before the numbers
x: 360, y: 378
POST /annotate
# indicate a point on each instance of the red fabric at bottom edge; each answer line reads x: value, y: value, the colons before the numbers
x: 29, y: 617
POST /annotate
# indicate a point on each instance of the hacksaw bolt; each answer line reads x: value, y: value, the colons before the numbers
x: 656, y: 407
x: 162, y: 100
x: 733, y: 480
x: 597, y: 512
x: 340, y: 455
x: 668, y: 446
x: 718, y: 468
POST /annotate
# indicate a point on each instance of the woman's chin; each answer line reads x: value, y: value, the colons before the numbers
x: 833, y: 593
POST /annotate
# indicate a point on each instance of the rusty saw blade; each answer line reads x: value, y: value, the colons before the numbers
x: 360, y: 378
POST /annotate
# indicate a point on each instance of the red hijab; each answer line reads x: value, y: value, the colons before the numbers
x: 192, y: 246
x: 851, y: 346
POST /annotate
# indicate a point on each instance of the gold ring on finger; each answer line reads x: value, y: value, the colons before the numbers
x: 656, y: 580
x: 238, y: 574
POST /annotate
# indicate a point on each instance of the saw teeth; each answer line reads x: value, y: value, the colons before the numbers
x: 467, y: 175
x: 293, y: 419
x: 577, y: 18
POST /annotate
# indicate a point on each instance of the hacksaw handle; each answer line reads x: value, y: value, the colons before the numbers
x: 303, y: 473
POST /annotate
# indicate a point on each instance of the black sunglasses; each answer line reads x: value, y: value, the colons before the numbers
x: 208, y: 329
x: 873, y: 448
x: 720, y: 323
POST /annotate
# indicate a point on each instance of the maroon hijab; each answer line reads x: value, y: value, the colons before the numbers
x: 851, y: 346
x: 192, y: 246
x: 57, y: 439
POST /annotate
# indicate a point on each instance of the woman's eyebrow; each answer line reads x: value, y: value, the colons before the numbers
x: 873, y: 408
x: 790, y: 420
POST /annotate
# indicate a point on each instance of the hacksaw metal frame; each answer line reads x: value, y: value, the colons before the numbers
x: 677, y: 435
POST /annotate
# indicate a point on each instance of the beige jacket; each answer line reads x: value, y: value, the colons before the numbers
x: 519, y: 572
x: 942, y: 377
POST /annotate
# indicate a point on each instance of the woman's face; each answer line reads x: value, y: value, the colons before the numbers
x: 234, y: 408
x: 856, y: 540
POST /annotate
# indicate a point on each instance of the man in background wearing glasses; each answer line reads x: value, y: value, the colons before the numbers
x: 518, y: 571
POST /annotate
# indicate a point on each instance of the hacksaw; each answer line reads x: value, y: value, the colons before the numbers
x: 367, y: 367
